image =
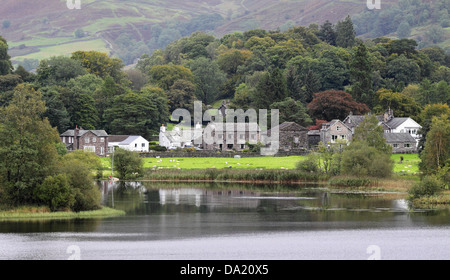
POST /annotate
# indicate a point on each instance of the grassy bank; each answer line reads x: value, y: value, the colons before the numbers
x: 230, y: 175
x: 441, y: 200
x: 32, y: 213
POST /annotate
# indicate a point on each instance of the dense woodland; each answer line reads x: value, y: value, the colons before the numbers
x: 312, y: 74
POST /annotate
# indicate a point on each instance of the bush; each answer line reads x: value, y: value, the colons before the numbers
x: 79, y: 174
x: 127, y: 164
x: 309, y: 165
x: 359, y: 159
x: 56, y: 192
x: 429, y: 186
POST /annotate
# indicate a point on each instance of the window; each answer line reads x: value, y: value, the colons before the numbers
x: 296, y: 140
x: 334, y: 137
x: 395, y: 145
x: 338, y: 128
x: 102, y: 139
x: 242, y: 146
x: 230, y: 135
x: 143, y: 145
x: 135, y: 145
x: 343, y: 137
x: 253, y: 136
x: 86, y: 140
x: 102, y: 150
x: 241, y: 136
x: 407, y: 145
x: 230, y: 146
x: 94, y: 139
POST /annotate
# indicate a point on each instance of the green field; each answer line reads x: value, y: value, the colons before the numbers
x: 409, y: 165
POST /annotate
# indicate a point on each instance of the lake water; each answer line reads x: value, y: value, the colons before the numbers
x: 236, y: 222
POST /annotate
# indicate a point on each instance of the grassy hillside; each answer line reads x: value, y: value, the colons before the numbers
x: 37, y: 29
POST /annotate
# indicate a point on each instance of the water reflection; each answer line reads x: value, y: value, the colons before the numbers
x: 311, y: 202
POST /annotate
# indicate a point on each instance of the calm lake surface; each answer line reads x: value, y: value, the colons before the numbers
x: 236, y: 222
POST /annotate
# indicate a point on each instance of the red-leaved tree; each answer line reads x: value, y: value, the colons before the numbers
x: 335, y: 104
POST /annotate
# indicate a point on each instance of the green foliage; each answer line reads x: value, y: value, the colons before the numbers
x: 127, y: 164
x: 360, y: 159
x: 81, y: 181
x: 56, y: 193
x: 370, y: 132
x: 437, y: 146
x: 428, y: 186
x: 27, y: 145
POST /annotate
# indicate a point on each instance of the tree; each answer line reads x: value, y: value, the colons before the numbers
x: 136, y: 113
x: 360, y: 159
x: 181, y: 95
x: 271, y: 88
x: 425, y: 119
x: 55, y: 112
x: 58, y: 70
x: 79, y: 101
x: 27, y: 146
x: 56, y: 193
x: 372, y: 133
x: 208, y: 79
x: 345, y: 33
x: 403, y: 70
x: 292, y: 111
x: 242, y: 97
x: 164, y: 76
x: 100, y: 64
x: 230, y: 60
x: 437, y: 146
x: 361, y: 76
x: 5, y: 59
x: 327, y: 33
x: 127, y: 164
x: 402, y: 104
x: 332, y: 104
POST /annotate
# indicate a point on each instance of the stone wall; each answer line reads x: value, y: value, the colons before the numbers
x: 199, y: 154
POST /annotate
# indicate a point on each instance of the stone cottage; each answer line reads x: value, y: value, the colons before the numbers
x: 402, y: 143
x: 95, y: 141
x: 334, y: 132
x: 292, y: 136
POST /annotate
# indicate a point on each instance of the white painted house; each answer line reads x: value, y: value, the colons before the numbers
x: 128, y: 142
x: 404, y: 125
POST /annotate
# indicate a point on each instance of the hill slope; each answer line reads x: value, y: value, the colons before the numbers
x: 36, y: 29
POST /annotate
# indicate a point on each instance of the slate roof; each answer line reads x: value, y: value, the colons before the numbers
x: 122, y: 139
x: 395, y: 122
x: 71, y: 132
x: 399, y: 138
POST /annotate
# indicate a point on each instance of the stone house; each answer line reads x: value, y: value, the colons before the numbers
x: 402, y: 143
x: 390, y: 124
x: 292, y: 136
x: 230, y: 136
x: 313, y: 138
x: 334, y: 132
x: 95, y: 141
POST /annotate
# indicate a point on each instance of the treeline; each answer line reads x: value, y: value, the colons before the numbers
x: 309, y: 73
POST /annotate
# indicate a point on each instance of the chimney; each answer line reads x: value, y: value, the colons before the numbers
x: 75, y: 138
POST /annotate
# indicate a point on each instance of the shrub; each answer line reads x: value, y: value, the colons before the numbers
x: 56, y: 192
x: 428, y: 186
x: 128, y: 164
x: 309, y: 165
x: 360, y: 159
